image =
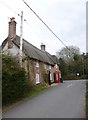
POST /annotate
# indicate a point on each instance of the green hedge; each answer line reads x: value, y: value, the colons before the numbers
x: 87, y: 99
x: 14, y: 83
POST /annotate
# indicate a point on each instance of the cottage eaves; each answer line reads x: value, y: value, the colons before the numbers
x: 32, y: 51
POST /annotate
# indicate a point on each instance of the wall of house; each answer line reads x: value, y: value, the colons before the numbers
x: 5, y: 47
x: 14, y: 50
x: 37, y: 71
x: 42, y: 71
x: 31, y: 70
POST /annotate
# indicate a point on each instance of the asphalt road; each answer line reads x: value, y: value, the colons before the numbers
x: 65, y: 100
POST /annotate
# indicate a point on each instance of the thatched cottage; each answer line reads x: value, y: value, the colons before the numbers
x: 37, y: 62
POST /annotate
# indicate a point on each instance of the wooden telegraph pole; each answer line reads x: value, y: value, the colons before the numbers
x: 21, y: 38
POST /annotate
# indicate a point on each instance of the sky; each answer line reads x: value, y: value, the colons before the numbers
x: 67, y: 19
x: 87, y: 26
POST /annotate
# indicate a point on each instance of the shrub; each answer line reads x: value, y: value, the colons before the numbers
x: 14, y: 83
x: 86, y: 99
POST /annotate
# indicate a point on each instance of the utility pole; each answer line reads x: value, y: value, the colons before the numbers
x: 21, y: 38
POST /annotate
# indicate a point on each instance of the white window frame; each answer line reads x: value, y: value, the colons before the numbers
x: 37, y: 78
x: 51, y: 77
x: 49, y: 67
x: 45, y: 66
x: 37, y: 74
x: 56, y: 66
x: 37, y: 64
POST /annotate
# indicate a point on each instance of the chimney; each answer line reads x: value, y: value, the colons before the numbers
x: 43, y: 47
x: 12, y: 32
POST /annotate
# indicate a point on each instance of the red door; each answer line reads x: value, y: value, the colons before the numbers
x: 56, y: 77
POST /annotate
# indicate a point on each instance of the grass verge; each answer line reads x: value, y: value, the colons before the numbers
x: 39, y: 88
x: 34, y: 91
x: 87, y: 99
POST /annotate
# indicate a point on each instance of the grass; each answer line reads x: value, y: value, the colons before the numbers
x: 34, y: 91
x: 86, y: 99
x: 39, y: 88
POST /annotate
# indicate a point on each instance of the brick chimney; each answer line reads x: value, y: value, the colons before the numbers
x: 43, y: 47
x: 12, y: 32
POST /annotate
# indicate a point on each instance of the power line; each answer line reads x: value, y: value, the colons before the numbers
x: 45, y: 24
x: 19, y: 16
x: 9, y: 8
x: 38, y: 17
x: 33, y: 29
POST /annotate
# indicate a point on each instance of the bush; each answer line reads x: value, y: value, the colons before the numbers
x: 70, y: 77
x: 87, y: 99
x: 14, y: 83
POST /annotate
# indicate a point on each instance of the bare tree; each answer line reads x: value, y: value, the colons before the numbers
x: 69, y: 53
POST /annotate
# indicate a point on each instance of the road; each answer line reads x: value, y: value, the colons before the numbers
x: 65, y: 100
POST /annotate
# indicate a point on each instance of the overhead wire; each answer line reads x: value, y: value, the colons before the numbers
x: 9, y: 8
x: 45, y: 24
x: 37, y: 17
x: 32, y: 28
x: 20, y: 16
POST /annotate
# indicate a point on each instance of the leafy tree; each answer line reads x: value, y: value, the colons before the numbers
x: 63, y: 67
x: 72, y: 62
x: 85, y: 64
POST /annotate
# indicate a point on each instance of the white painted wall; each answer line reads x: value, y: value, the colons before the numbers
x: 14, y: 51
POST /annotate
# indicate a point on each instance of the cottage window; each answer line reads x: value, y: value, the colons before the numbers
x: 37, y: 73
x: 45, y: 66
x: 37, y: 78
x: 56, y: 66
x: 49, y: 67
x: 37, y: 64
x: 50, y: 76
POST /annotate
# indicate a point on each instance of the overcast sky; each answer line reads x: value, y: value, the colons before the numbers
x: 67, y: 18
